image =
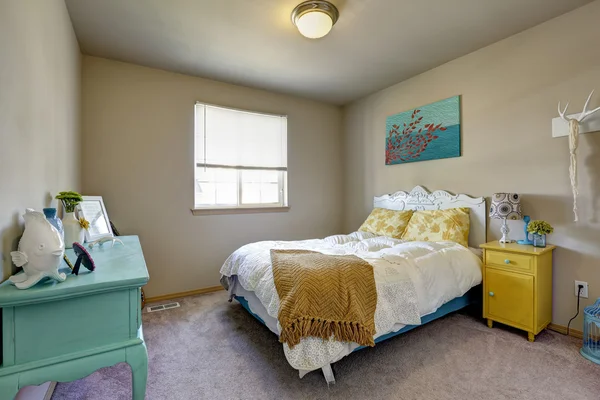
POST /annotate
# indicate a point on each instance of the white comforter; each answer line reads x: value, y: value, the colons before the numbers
x: 412, y: 279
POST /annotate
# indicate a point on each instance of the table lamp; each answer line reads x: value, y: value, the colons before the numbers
x: 505, y: 206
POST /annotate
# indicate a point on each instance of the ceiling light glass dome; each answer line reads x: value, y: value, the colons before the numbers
x: 314, y: 19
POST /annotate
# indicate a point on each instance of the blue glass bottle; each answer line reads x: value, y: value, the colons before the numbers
x: 539, y: 240
x: 50, y: 214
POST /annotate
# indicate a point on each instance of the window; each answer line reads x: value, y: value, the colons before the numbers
x: 241, y: 158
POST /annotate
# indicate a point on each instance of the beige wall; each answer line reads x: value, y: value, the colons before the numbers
x: 509, y: 94
x: 39, y: 112
x: 138, y: 154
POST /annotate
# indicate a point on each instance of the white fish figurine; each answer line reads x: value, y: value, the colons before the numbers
x: 40, y: 252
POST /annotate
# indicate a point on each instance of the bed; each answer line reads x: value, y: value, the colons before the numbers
x: 417, y: 282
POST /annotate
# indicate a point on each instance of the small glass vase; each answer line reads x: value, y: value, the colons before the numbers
x: 539, y: 240
x: 50, y: 214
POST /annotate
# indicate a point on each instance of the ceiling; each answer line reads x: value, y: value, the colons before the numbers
x: 375, y: 43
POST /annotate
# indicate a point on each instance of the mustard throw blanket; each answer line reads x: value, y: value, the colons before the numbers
x: 323, y: 296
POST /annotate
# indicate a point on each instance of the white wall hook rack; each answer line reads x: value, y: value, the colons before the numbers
x: 560, y: 127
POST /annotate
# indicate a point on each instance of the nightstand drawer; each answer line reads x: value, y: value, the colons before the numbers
x: 509, y: 298
x: 511, y: 261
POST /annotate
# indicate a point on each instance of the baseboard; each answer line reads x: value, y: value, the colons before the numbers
x: 563, y: 330
x: 184, y: 294
x: 553, y: 327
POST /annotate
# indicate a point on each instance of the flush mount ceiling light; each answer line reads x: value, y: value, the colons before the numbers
x: 314, y: 19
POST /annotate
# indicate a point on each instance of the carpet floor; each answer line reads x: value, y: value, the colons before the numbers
x: 212, y: 349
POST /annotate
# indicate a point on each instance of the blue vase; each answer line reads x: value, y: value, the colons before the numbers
x: 50, y: 214
x: 539, y: 240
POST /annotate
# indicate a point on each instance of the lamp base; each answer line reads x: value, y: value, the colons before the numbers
x: 524, y: 242
x: 505, y: 231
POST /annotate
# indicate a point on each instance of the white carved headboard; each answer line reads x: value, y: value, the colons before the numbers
x: 420, y: 199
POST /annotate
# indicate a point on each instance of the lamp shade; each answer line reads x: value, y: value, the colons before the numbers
x: 506, y: 205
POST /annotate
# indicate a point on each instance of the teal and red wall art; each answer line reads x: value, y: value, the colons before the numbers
x: 426, y: 133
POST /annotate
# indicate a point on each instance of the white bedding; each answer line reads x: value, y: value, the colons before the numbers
x: 412, y: 279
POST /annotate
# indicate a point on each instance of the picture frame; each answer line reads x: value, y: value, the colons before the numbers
x: 92, y: 208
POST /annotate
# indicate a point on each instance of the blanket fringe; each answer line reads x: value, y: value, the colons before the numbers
x: 343, y: 331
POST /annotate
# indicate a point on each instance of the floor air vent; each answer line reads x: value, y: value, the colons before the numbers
x: 162, y: 307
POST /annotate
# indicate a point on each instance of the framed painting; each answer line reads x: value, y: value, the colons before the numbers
x: 426, y: 133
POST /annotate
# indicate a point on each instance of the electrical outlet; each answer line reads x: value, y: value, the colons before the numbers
x: 584, y: 291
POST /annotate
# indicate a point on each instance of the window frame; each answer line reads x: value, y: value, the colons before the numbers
x: 210, y: 209
x: 281, y: 184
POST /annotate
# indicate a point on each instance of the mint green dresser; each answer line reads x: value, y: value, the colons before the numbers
x: 65, y: 331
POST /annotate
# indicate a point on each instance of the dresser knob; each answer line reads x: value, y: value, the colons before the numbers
x: 507, y: 261
x: 491, y: 294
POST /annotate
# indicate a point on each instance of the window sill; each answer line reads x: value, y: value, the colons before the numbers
x: 239, y: 210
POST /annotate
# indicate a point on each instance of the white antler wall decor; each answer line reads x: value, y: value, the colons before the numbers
x: 574, y: 122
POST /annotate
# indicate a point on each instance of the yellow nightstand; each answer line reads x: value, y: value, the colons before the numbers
x: 517, y: 286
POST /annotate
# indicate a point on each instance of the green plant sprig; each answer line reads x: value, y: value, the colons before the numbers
x: 540, y: 227
x: 69, y: 200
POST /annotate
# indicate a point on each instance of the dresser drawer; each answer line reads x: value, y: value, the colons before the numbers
x: 509, y: 261
x: 53, y: 329
x: 509, y: 298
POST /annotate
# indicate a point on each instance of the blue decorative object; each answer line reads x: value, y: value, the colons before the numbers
x: 50, y: 214
x: 527, y: 219
x: 591, y: 333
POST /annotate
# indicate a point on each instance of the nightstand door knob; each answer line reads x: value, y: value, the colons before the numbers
x: 491, y: 294
x: 507, y: 261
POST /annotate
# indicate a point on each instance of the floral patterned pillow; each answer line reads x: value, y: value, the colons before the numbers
x: 439, y: 225
x: 386, y: 222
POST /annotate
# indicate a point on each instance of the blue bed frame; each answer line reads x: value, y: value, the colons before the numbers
x: 473, y: 296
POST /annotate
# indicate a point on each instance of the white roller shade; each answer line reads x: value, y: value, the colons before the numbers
x: 240, y: 139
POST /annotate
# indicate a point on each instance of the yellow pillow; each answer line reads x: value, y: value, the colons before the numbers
x: 439, y: 225
x: 386, y: 222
